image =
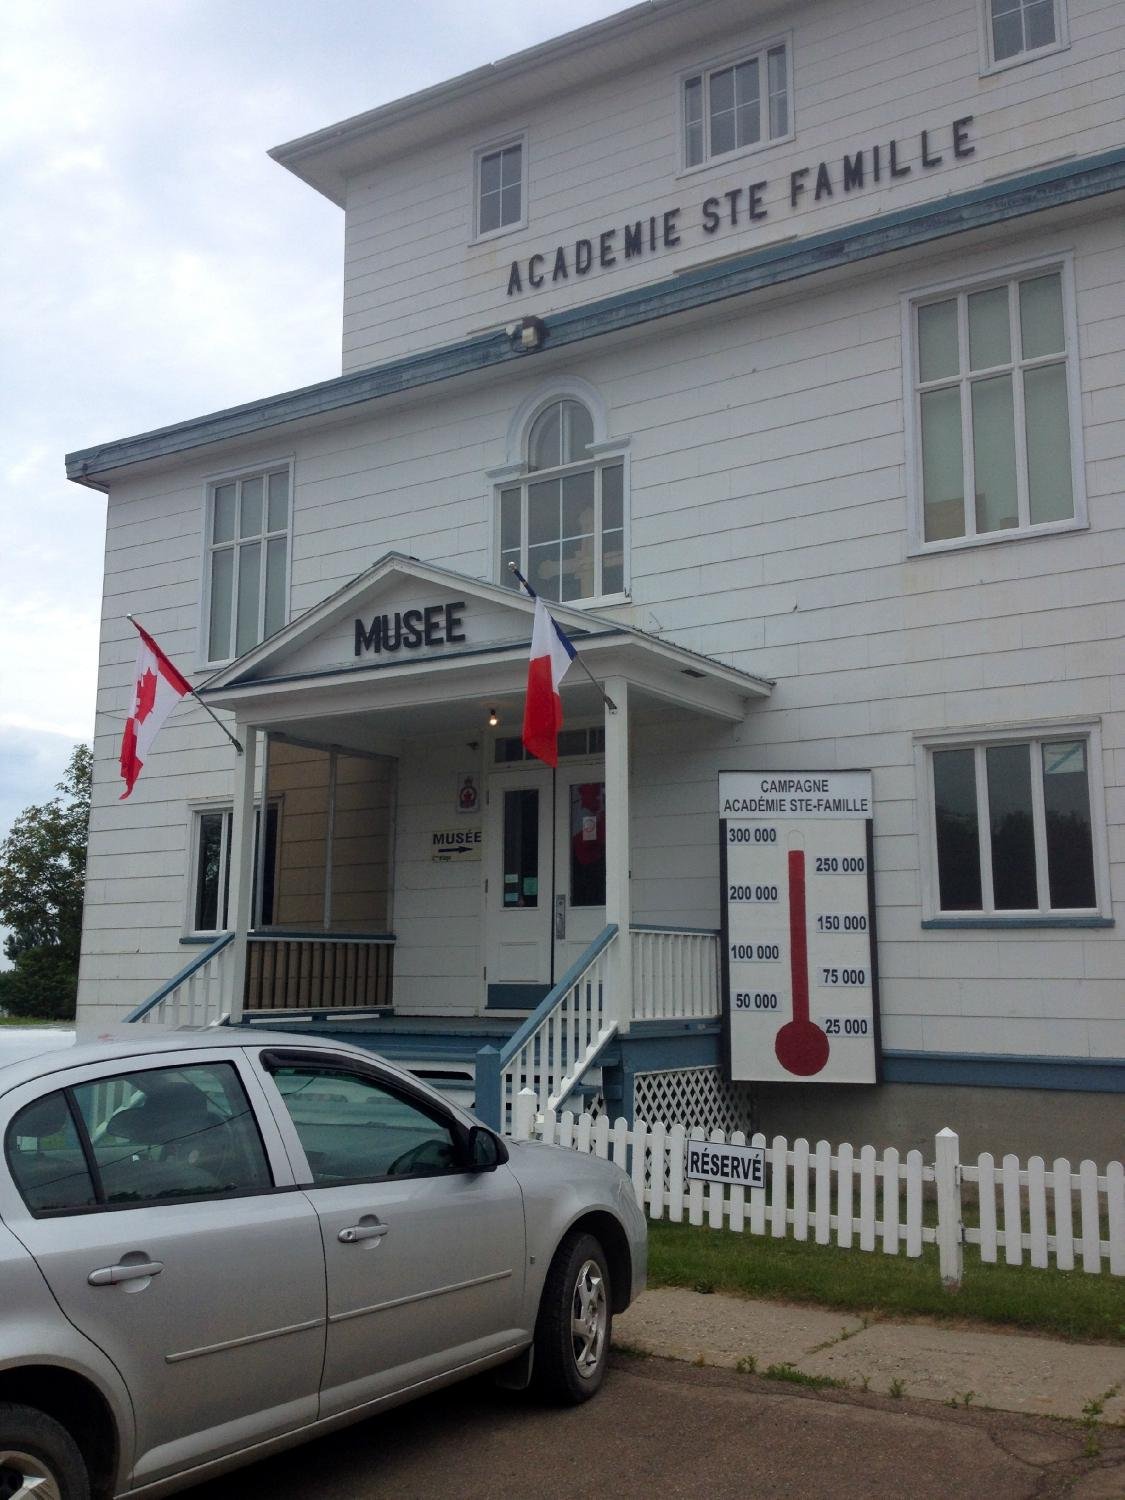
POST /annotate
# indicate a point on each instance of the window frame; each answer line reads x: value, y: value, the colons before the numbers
x: 212, y: 482
x: 478, y: 236
x: 962, y: 287
x: 600, y: 454
x: 989, y: 65
x: 978, y: 739
x: 704, y: 70
x: 196, y: 810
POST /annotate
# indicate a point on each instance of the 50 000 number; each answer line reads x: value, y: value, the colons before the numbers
x: 752, y: 893
x: 840, y: 864
x: 755, y: 1000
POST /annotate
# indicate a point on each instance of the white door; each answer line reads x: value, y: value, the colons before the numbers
x: 545, y: 867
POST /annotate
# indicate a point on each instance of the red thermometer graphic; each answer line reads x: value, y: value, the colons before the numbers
x: 801, y: 1045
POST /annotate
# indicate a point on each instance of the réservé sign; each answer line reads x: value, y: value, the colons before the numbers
x: 739, y: 1166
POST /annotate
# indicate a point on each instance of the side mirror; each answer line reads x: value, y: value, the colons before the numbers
x: 484, y: 1151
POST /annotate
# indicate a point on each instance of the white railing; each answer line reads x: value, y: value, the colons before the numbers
x: 562, y: 1038
x: 675, y: 974
x: 194, y: 997
x: 867, y: 1200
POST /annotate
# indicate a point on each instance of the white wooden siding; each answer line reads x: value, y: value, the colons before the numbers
x: 769, y: 529
x: 608, y: 152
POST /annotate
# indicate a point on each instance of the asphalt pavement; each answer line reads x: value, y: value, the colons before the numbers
x: 665, y: 1430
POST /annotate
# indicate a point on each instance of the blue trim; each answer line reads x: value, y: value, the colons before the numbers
x: 177, y: 979
x: 733, y: 276
x: 672, y: 928
x: 550, y: 1000
x: 966, y: 924
x: 197, y: 942
x: 1004, y: 1071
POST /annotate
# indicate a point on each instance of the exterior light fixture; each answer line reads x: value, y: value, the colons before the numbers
x: 527, y: 334
x: 493, y: 718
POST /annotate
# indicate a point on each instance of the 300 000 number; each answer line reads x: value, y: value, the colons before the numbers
x: 848, y: 1026
x: 740, y: 835
x: 757, y: 1000
x: 840, y: 864
x: 848, y: 978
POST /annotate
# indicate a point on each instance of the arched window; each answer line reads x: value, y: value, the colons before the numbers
x: 562, y: 521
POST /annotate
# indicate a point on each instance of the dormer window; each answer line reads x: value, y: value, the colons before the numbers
x: 562, y: 522
x: 739, y: 105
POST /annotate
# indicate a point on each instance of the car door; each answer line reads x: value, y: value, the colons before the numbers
x: 424, y: 1259
x: 162, y: 1213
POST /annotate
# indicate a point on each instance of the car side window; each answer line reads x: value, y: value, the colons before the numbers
x: 46, y: 1159
x: 352, y: 1129
x: 165, y: 1134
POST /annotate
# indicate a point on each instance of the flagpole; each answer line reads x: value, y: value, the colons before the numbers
x: 205, y: 706
x: 609, y: 703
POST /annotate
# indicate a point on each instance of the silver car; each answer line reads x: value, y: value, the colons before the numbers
x: 214, y: 1245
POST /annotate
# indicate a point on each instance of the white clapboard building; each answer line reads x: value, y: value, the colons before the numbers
x: 782, y: 348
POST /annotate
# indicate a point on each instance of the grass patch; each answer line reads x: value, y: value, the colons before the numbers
x: 801, y: 1377
x: 33, y: 1021
x: 1068, y: 1304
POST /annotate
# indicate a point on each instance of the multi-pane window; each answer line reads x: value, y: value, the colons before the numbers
x: 563, y: 524
x: 247, y: 561
x: 210, y: 906
x: 1018, y: 27
x: 500, y: 188
x: 1013, y: 829
x: 992, y: 409
x: 739, y: 105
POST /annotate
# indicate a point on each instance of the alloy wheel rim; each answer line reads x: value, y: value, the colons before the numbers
x: 589, y: 1317
x: 23, y: 1476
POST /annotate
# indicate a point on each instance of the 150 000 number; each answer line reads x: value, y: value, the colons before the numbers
x: 830, y: 922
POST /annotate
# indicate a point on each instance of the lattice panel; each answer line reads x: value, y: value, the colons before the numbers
x: 692, y: 1096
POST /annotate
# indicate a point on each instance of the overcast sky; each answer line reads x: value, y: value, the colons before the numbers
x: 155, y: 264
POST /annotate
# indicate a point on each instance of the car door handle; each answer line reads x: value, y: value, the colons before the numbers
x: 133, y: 1271
x: 356, y: 1232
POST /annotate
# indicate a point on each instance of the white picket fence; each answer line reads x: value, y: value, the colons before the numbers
x: 864, y: 1199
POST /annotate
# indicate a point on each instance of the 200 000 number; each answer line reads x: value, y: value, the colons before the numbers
x: 752, y: 893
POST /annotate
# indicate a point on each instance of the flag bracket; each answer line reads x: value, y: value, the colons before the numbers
x: 606, y: 699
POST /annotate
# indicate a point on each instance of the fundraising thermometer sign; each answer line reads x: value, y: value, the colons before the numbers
x: 800, y: 989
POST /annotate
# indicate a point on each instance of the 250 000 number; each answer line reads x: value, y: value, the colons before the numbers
x: 840, y: 864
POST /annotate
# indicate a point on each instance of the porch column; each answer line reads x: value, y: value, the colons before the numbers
x: 241, y: 869
x: 618, y: 906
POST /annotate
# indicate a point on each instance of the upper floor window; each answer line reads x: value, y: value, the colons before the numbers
x: 500, y: 188
x: 995, y: 432
x: 247, y: 561
x: 1016, y: 825
x: 1019, y: 29
x: 563, y: 522
x: 737, y: 106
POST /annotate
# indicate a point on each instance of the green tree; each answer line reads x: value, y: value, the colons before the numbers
x: 42, y: 876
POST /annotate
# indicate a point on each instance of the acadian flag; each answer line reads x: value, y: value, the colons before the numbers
x: 551, y: 655
x: 157, y: 688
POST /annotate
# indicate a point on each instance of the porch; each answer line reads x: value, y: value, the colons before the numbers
x: 423, y: 887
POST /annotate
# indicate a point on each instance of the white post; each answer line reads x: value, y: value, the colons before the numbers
x: 618, y: 904
x: 524, y: 1114
x: 241, y: 869
x: 947, y: 1172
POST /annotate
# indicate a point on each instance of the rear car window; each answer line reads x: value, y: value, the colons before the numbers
x: 156, y: 1135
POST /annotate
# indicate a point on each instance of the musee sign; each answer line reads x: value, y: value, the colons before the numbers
x: 432, y: 625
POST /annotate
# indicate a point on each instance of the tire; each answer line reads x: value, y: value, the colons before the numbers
x: 572, y: 1332
x: 35, y: 1446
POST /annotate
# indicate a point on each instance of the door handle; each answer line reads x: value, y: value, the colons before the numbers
x: 132, y: 1271
x: 560, y: 917
x: 356, y: 1232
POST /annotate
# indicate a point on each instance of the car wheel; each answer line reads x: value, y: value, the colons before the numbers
x: 38, y: 1457
x: 575, y: 1320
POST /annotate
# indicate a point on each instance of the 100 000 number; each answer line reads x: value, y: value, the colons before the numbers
x: 752, y: 893
x: 840, y: 864
x: 852, y: 978
x: 762, y: 953
x: 849, y: 1026
x: 755, y: 1001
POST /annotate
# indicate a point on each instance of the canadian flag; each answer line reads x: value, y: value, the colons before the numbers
x: 157, y: 688
x: 551, y: 655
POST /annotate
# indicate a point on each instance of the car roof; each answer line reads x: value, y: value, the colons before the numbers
x: 109, y: 1045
